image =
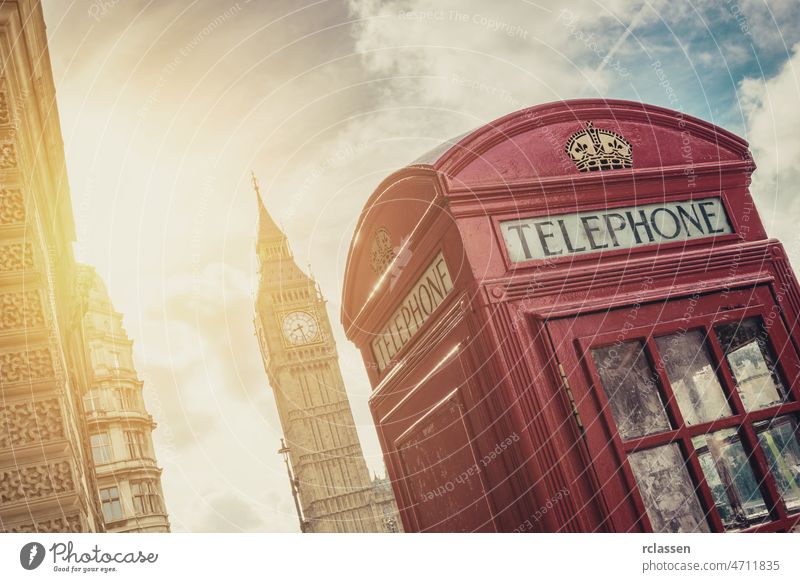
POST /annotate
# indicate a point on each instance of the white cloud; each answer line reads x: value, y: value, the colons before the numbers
x: 773, y: 129
x: 470, y: 62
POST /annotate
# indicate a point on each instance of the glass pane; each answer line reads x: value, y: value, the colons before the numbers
x: 730, y: 478
x: 692, y: 377
x: 632, y: 389
x: 746, y: 347
x: 101, y: 448
x: 778, y: 439
x: 668, y: 492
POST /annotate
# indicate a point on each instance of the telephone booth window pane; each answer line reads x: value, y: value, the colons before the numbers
x: 731, y: 480
x: 692, y: 377
x: 632, y: 389
x: 778, y: 440
x: 667, y: 490
x: 752, y: 363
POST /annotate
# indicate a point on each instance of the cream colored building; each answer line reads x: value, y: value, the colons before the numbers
x: 327, y: 470
x: 47, y: 483
x: 384, y: 506
x: 128, y: 477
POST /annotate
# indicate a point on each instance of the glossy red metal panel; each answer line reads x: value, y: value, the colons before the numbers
x: 397, y: 212
x: 443, y: 472
x: 530, y: 154
x: 529, y: 144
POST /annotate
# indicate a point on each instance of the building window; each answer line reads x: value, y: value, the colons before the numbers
x: 112, y: 508
x: 146, y: 499
x: 101, y: 448
x: 707, y: 423
x: 116, y: 396
x: 134, y: 439
x: 129, y: 399
x: 92, y: 401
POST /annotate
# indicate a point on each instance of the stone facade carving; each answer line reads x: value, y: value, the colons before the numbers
x: 52, y: 487
x: 19, y: 311
x: 5, y: 114
x: 15, y: 257
x: 35, y: 481
x: 24, y: 423
x: 12, y: 207
x: 63, y: 524
x: 8, y: 156
x: 35, y: 364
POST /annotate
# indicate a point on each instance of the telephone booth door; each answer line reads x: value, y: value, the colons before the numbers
x: 690, y: 410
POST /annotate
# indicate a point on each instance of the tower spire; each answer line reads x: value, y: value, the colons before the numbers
x: 256, y: 188
x: 267, y: 229
x: 262, y: 211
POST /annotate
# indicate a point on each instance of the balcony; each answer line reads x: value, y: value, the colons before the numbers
x: 105, y: 416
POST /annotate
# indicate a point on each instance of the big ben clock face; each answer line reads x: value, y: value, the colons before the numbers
x: 300, y: 327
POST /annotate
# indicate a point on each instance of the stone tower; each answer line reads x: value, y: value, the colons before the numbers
x: 128, y: 478
x: 329, y: 476
x: 47, y: 482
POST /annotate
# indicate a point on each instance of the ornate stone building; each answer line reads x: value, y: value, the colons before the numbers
x: 128, y: 478
x: 327, y: 470
x: 46, y: 478
x: 384, y: 505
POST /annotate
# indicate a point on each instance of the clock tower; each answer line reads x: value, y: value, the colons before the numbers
x: 330, y: 482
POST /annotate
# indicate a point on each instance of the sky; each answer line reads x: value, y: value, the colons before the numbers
x: 166, y: 106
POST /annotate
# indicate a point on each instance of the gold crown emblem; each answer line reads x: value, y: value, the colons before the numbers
x: 599, y: 149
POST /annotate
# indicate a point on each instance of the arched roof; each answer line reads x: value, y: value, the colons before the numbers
x: 528, y: 149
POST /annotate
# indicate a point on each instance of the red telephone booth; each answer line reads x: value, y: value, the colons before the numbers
x: 573, y: 320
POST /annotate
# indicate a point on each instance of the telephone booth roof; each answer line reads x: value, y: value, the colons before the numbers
x: 529, y: 143
x: 521, y: 158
